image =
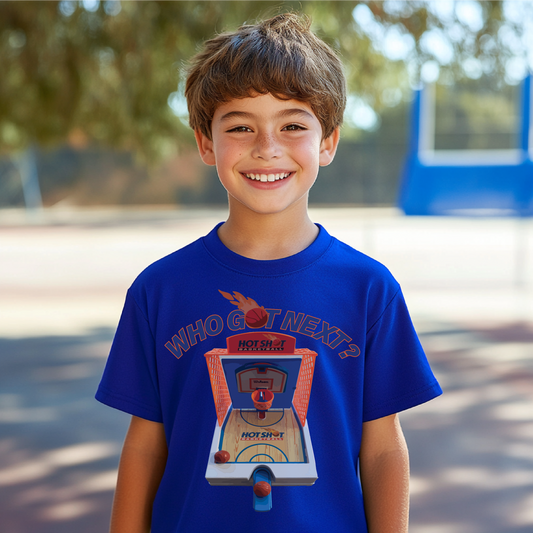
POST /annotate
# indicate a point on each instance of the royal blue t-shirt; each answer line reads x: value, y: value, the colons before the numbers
x: 335, y: 301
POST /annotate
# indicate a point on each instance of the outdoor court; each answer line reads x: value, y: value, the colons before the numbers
x: 469, y: 286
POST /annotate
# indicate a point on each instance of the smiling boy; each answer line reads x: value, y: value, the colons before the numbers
x: 266, y: 105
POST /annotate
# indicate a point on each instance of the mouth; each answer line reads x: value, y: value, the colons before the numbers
x: 268, y: 177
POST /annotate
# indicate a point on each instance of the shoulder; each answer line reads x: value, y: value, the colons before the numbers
x: 353, y: 264
x: 358, y: 280
x: 171, y: 271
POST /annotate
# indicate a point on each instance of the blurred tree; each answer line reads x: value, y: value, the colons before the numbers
x: 108, y: 72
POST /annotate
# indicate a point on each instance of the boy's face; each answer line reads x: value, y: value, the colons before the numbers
x: 267, y: 151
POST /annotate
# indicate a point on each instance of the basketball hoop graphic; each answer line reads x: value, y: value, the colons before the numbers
x: 262, y: 401
x: 261, y: 386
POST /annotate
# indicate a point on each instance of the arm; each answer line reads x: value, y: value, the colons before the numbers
x: 384, y: 464
x: 141, y: 467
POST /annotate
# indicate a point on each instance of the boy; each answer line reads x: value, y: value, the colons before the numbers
x: 266, y: 105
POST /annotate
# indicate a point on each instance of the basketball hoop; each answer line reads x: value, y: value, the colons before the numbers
x: 262, y: 399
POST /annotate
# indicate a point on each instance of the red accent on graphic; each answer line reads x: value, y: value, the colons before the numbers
x: 253, y: 342
x: 219, y: 386
x: 262, y: 399
x: 261, y: 438
x: 255, y: 315
x: 303, y: 385
x: 256, y: 318
x: 354, y: 351
x: 222, y: 456
x: 262, y: 489
x: 218, y: 381
x: 275, y: 380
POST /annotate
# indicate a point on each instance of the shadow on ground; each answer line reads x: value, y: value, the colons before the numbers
x: 471, y: 449
x: 59, y: 448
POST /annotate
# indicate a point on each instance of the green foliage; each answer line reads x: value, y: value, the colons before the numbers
x: 105, y: 76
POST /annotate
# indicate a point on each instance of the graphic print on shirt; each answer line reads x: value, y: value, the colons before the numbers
x: 261, y: 386
x: 250, y: 314
x: 254, y: 316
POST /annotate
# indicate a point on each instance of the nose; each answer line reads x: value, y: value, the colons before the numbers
x: 266, y: 147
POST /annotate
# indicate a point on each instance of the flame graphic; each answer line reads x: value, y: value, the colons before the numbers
x: 256, y: 315
x: 243, y: 303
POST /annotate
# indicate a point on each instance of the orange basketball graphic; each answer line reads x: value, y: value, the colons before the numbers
x: 255, y: 315
x: 256, y: 318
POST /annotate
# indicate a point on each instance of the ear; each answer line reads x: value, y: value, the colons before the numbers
x: 206, y: 148
x: 328, y: 148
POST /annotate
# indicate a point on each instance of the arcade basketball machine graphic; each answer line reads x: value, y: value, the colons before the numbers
x: 261, y: 386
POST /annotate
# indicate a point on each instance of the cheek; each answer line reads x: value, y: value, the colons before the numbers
x: 309, y: 155
x: 308, y: 149
x: 230, y: 153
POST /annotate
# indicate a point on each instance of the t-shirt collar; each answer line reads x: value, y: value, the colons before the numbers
x: 275, y: 267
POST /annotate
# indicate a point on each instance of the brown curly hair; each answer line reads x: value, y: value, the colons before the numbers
x: 280, y: 56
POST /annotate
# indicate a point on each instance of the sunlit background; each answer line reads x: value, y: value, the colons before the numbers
x: 99, y: 176
x: 92, y: 110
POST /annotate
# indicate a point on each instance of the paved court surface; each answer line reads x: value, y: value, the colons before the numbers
x: 469, y: 285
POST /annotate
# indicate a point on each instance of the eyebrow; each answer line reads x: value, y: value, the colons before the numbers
x: 292, y: 112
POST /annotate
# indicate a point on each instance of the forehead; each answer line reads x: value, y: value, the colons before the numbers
x: 264, y: 106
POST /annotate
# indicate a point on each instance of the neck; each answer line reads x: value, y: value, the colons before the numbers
x: 267, y: 236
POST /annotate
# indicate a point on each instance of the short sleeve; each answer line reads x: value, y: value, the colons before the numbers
x: 129, y: 382
x: 397, y: 373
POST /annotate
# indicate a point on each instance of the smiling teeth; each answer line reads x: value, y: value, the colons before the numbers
x: 268, y: 177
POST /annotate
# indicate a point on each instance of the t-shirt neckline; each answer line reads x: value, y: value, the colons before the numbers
x: 218, y: 250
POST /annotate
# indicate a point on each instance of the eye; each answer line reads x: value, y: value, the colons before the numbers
x: 240, y: 129
x: 293, y: 127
